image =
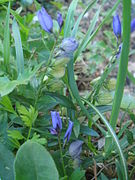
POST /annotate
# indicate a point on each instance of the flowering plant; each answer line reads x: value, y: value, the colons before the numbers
x: 49, y: 128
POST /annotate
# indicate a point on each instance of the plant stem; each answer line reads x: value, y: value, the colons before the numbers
x: 63, y: 166
x: 29, y: 133
x: 42, y: 78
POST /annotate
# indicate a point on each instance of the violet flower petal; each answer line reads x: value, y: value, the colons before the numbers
x: 59, y: 121
x: 53, y: 131
x: 54, y: 119
x: 68, y: 132
x: 45, y: 20
x: 59, y: 19
x: 69, y: 45
x: 117, y: 26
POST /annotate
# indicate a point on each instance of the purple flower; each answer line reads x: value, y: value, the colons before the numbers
x: 132, y: 25
x: 56, y: 123
x: 69, y: 45
x: 68, y: 132
x: 45, y: 20
x: 60, y: 20
x: 75, y: 149
x: 117, y: 26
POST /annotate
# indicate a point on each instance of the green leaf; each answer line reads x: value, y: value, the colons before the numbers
x: 15, y: 134
x: 74, y: 89
x: 18, y: 48
x: 131, y: 77
x: 7, y: 86
x: 28, y: 116
x: 103, y: 177
x: 87, y: 131
x: 69, y: 18
x: 38, y: 139
x: 76, y: 128
x: 7, y: 39
x: 129, y: 135
x: 19, y: 19
x: 119, y: 170
x: 76, y: 26
x: 6, y: 163
x: 114, y: 137
x: 51, y: 99
x: 123, y: 63
x: 7, y: 105
x: 34, y: 162
x: 85, y: 41
x: 77, y: 174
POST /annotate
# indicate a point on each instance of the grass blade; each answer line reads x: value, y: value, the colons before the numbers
x: 74, y: 89
x: 18, y: 48
x: 114, y: 137
x: 7, y: 39
x: 76, y: 26
x: 69, y: 19
x: 98, y: 28
x: 85, y: 41
x: 123, y: 63
x: 131, y: 77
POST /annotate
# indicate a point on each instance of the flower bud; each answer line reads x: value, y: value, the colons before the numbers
x: 69, y: 45
x: 117, y: 26
x: 68, y: 132
x: 45, y: 20
x: 56, y: 122
x: 60, y: 20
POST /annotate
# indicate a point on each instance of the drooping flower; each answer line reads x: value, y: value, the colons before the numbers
x: 45, y: 20
x: 133, y: 25
x: 60, y: 20
x: 56, y: 123
x: 68, y: 132
x: 69, y: 45
x: 75, y: 149
x: 117, y: 26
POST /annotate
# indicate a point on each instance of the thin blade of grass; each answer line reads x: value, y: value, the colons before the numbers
x: 85, y: 41
x: 7, y: 39
x: 90, y: 38
x: 18, y: 48
x: 114, y: 137
x: 69, y: 18
x: 123, y: 63
x: 131, y: 77
x: 76, y: 26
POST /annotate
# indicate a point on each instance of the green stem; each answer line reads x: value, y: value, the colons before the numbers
x: 42, y: 78
x: 123, y: 63
x: 29, y: 133
x: 63, y: 166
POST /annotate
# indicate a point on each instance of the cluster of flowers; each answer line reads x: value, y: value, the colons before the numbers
x: 75, y: 147
x: 57, y: 126
x: 68, y: 45
x: 46, y: 21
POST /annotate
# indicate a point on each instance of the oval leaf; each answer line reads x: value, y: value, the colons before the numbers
x: 34, y: 162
